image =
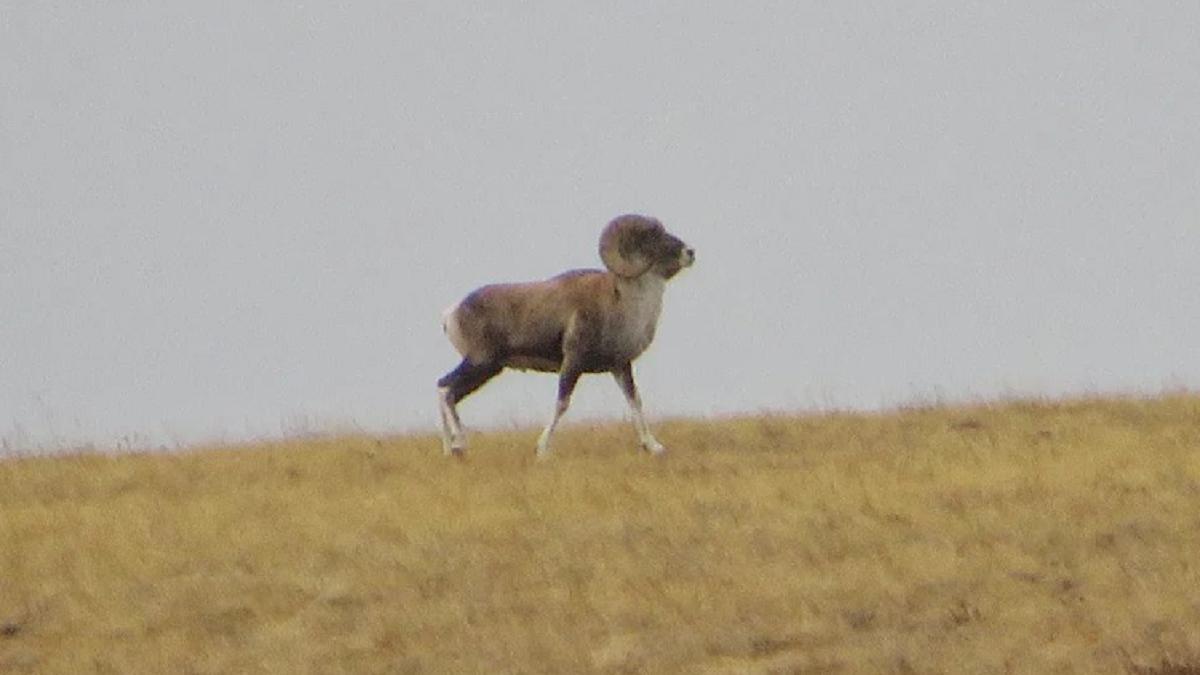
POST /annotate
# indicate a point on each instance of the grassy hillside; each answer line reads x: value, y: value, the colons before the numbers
x: 1058, y: 537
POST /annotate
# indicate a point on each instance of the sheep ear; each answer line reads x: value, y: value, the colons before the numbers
x: 621, y: 243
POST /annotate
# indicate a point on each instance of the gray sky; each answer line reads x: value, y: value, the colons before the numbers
x: 241, y: 219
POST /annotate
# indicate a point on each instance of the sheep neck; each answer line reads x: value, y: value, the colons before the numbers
x: 640, y: 302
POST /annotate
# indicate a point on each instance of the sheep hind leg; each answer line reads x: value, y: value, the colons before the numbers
x: 451, y: 430
x: 454, y: 387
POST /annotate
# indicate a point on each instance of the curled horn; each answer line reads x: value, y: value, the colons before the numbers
x: 621, y: 243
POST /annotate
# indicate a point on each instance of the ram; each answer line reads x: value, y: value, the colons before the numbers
x: 581, y: 321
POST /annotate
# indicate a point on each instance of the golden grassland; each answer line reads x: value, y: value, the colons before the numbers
x: 1014, y: 537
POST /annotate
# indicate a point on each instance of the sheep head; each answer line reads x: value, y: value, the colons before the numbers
x: 632, y: 245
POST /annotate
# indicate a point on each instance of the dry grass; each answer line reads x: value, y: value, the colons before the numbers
x: 1039, y: 538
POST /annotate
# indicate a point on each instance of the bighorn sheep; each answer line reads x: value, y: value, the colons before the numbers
x: 581, y: 321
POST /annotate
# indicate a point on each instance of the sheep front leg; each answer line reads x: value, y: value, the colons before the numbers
x: 624, y: 378
x: 567, y: 378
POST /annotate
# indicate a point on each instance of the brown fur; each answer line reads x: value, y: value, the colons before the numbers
x: 525, y: 325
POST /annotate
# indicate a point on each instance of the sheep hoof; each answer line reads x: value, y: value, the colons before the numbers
x: 654, y: 447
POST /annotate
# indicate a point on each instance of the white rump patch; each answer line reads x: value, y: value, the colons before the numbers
x: 452, y: 329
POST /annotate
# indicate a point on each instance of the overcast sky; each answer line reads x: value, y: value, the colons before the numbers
x: 228, y: 220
